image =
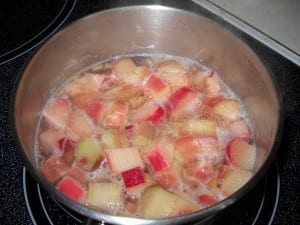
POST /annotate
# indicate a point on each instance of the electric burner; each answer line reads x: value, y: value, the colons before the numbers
x: 257, y: 207
x: 32, y: 22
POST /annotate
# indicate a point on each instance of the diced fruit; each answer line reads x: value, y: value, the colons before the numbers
x: 163, y: 203
x: 228, y: 109
x: 90, y: 81
x: 67, y: 147
x: 184, y: 102
x: 204, y: 127
x: 80, y: 127
x: 84, y: 90
x: 157, y: 160
x: 136, y: 190
x: 49, y: 141
x: 240, y: 129
x: 105, y: 195
x: 88, y: 154
x: 54, y: 168
x: 126, y: 70
x: 137, y: 101
x: 96, y: 111
x: 198, y: 78
x: 150, y: 111
x: 116, y: 115
x: 157, y: 88
x: 144, y: 134
x: 233, y: 180
x: 121, y: 92
x: 207, y: 200
x: 184, y: 206
x: 208, y: 143
x: 212, y: 87
x: 173, y: 73
x: 133, y: 177
x: 122, y: 159
x: 123, y: 67
x: 131, y: 206
x: 167, y: 179
x: 240, y: 153
x: 78, y: 174
x: 57, y: 113
x: 204, y: 172
x: 72, y: 189
x: 114, y: 139
x: 139, y: 75
x: 188, y: 147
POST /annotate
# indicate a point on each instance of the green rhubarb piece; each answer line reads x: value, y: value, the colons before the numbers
x: 88, y: 153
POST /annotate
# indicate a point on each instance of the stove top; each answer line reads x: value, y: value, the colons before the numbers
x: 274, y: 200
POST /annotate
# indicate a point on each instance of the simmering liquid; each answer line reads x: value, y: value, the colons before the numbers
x: 145, y: 136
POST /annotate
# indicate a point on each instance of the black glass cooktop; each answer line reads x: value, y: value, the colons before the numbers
x: 26, y: 24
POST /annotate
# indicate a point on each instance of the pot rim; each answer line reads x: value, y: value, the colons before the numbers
x: 99, y: 216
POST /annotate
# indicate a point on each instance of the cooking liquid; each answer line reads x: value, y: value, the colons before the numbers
x: 188, y: 185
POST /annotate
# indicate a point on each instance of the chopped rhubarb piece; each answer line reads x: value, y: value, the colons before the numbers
x: 133, y: 177
x: 126, y: 70
x: 67, y: 147
x: 144, y: 134
x: 105, y: 195
x: 173, y: 73
x: 150, y: 111
x: 188, y: 147
x: 166, y: 179
x: 49, y: 141
x: 116, y: 115
x: 207, y: 200
x: 198, y: 78
x: 157, y: 160
x: 137, y: 101
x: 240, y: 153
x: 233, y: 179
x: 157, y: 88
x: 184, y: 102
x: 95, y: 111
x: 88, y: 154
x: 114, y: 139
x: 208, y: 143
x: 203, y: 127
x: 205, y: 172
x: 139, y: 188
x: 78, y: 174
x: 72, y: 189
x: 212, y: 86
x: 92, y: 81
x: 173, y: 204
x: 84, y: 90
x: 228, y: 109
x: 122, y: 92
x: 54, y: 168
x: 57, y: 113
x: 240, y: 129
x: 80, y: 127
x: 122, y: 159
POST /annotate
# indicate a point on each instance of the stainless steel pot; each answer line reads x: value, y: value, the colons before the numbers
x: 147, y: 29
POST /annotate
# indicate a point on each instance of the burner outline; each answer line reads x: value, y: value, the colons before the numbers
x: 39, y: 38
